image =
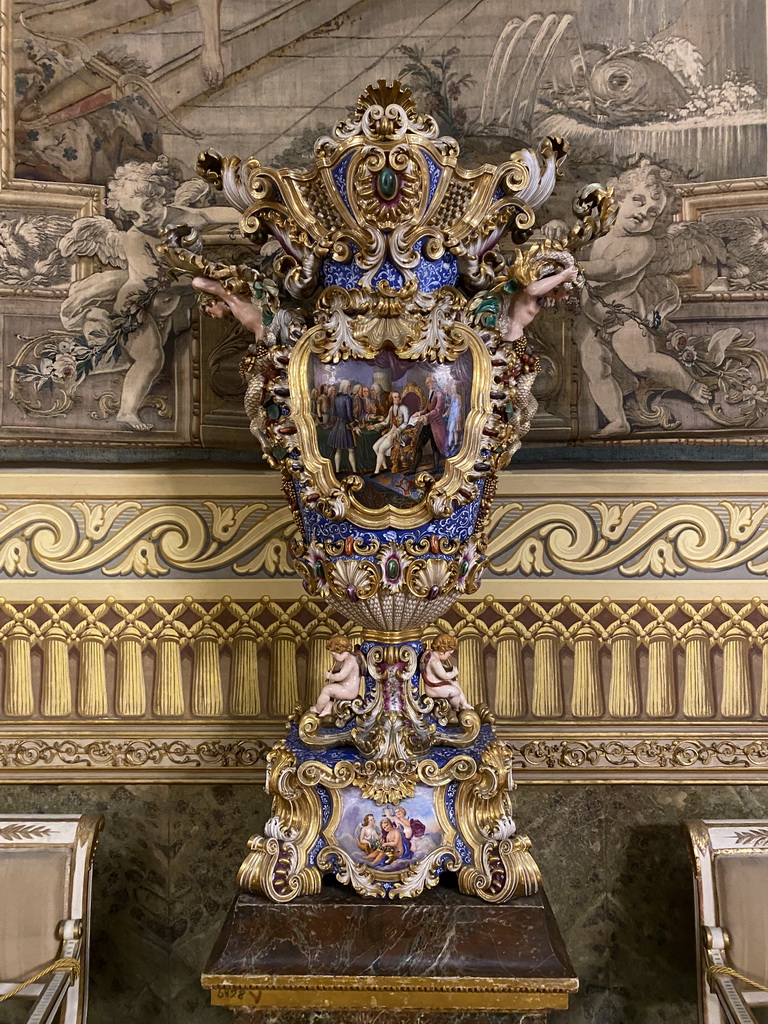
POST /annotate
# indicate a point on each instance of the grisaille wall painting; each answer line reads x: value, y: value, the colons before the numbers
x: 111, y: 103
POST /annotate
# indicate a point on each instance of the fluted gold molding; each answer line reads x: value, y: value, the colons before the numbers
x: 318, y: 661
x: 130, y: 693
x: 168, y: 699
x: 587, y: 699
x: 207, y: 696
x: 661, y: 684
x: 19, y: 701
x: 697, y: 696
x: 471, y: 668
x: 549, y: 659
x: 283, y: 679
x: 583, y: 667
x: 737, y: 697
x: 624, y: 692
x: 245, y: 674
x: 56, y: 695
x: 92, y: 678
x: 511, y: 698
x: 547, y: 699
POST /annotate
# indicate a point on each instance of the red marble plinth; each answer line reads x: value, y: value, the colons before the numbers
x: 338, y: 958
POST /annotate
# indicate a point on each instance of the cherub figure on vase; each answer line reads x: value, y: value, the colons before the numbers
x: 440, y: 677
x: 526, y: 303
x: 344, y: 677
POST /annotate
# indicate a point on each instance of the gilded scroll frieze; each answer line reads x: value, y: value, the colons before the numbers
x: 133, y: 753
x: 654, y: 538
x: 635, y: 538
x: 653, y: 753
x: 134, y: 538
x: 647, y: 755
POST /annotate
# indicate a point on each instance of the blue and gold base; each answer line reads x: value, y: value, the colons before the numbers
x: 392, y: 792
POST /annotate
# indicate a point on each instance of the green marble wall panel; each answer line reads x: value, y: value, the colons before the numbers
x: 613, y: 857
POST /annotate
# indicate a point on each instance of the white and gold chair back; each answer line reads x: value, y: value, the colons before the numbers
x: 730, y: 860
x: 46, y: 865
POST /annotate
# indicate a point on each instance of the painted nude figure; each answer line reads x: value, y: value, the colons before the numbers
x: 440, y: 679
x: 344, y: 677
x: 135, y: 305
x: 628, y: 288
x: 368, y: 835
x: 393, y: 845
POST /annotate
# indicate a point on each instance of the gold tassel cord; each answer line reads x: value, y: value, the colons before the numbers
x: 722, y: 969
x: 66, y: 963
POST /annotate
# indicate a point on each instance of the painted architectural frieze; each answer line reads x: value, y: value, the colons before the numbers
x: 688, y: 537
x: 610, y: 690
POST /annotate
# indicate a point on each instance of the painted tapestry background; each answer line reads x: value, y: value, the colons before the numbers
x: 112, y: 102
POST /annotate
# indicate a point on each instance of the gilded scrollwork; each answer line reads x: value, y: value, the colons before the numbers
x: 348, y: 872
x: 502, y: 866
x: 144, y: 538
x: 653, y: 754
x: 304, y: 210
x: 183, y: 251
x: 457, y: 769
x: 139, y: 754
x: 658, y: 756
x: 638, y: 537
x: 278, y: 864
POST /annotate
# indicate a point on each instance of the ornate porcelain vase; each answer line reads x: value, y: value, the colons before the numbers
x: 386, y: 391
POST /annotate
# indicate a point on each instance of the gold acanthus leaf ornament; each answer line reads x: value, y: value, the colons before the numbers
x: 183, y: 252
x: 418, y: 325
x: 386, y: 187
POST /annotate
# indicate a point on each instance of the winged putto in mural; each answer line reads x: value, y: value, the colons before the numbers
x: 627, y: 342
x: 121, y: 318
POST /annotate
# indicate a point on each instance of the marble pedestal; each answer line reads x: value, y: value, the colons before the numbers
x: 338, y: 958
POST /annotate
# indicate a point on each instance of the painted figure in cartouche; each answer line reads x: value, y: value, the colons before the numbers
x: 391, y: 301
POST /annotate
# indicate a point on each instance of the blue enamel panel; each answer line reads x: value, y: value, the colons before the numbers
x: 434, y: 175
x: 339, y: 174
x: 459, y: 525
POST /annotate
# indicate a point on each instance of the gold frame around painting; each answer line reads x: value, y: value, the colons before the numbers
x: 456, y: 467
x: 742, y: 195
